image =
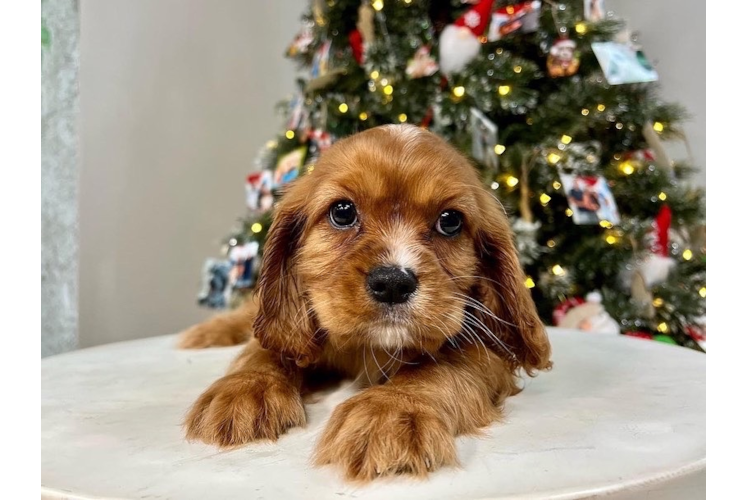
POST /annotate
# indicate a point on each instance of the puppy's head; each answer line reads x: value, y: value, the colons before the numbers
x: 393, y: 243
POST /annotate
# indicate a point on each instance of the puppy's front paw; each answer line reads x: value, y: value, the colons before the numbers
x: 385, y: 432
x: 244, y: 407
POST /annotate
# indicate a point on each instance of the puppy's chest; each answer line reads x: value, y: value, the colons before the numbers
x: 368, y: 366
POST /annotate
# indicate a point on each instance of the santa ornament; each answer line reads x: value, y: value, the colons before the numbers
x: 656, y: 266
x: 563, y: 59
x: 459, y: 43
x: 588, y: 315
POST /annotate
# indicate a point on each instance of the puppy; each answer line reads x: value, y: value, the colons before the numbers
x: 389, y: 263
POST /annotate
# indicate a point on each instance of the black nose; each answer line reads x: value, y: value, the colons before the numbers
x: 391, y: 285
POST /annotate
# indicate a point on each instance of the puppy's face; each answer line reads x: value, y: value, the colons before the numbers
x: 391, y: 243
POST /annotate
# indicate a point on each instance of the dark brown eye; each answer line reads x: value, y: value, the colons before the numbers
x: 343, y: 214
x: 449, y: 223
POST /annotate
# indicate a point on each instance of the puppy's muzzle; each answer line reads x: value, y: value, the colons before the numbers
x: 391, y: 285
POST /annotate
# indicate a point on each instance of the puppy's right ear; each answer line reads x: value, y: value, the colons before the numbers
x: 285, y: 322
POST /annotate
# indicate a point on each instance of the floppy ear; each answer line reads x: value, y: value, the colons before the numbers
x: 285, y: 322
x: 514, y: 317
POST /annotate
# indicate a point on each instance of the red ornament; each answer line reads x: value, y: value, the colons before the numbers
x: 357, y: 45
x: 639, y: 335
x: 660, y: 228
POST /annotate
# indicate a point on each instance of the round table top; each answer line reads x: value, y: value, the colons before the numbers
x: 615, y: 413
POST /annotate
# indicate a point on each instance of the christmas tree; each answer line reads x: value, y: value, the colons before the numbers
x: 558, y: 108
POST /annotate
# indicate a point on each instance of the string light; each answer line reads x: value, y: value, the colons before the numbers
x: 619, y: 125
x: 569, y: 212
x: 658, y: 127
x: 566, y: 139
x: 363, y: 116
x: 585, y: 111
x: 529, y: 283
x: 494, y: 185
x: 377, y: 4
x: 662, y: 328
x: 499, y: 148
x: 551, y: 243
x: 402, y: 117
x: 458, y: 91
x: 702, y: 291
x: 601, y: 107
x: 385, y: 81
x: 580, y: 28
x: 662, y: 196
x: 611, y: 239
x: 512, y: 181
x: 518, y: 69
x: 544, y: 199
x: 290, y: 134
x: 343, y: 107
x: 407, y: 1
x: 374, y: 75
x: 626, y: 167
x: 687, y: 254
x: 388, y: 90
x: 256, y: 227
x: 658, y: 302
x: 233, y: 242
x: 606, y: 224
x: 556, y: 185
x: 504, y: 89
x: 558, y: 270
x: 553, y: 158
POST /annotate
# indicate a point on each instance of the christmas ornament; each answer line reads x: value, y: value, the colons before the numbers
x: 639, y: 335
x: 361, y: 37
x: 242, y: 259
x: 623, y: 63
x: 563, y: 59
x: 288, y: 166
x: 215, y: 291
x: 656, y: 266
x: 422, y: 64
x: 589, y: 316
x: 667, y: 339
x: 485, y: 139
x: 259, y: 191
x: 302, y: 41
x: 459, y: 43
x: 594, y: 10
x: 590, y: 200
x: 520, y: 18
x: 526, y: 239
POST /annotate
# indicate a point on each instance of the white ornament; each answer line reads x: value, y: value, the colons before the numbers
x: 457, y: 47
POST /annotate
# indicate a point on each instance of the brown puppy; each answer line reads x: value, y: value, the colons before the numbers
x: 390, y: 263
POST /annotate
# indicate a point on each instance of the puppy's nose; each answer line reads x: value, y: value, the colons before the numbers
x: 391, y: 285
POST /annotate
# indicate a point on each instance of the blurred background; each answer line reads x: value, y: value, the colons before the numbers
x: 152, y: 113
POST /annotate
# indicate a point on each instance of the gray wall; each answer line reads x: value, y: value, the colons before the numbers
x: 59, y: 270
x: 176, y: 97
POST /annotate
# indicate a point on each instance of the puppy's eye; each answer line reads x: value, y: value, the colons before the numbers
x: 449, y: 223
x: 343, y: 214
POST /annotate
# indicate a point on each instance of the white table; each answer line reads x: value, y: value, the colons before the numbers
x: 615, y: 416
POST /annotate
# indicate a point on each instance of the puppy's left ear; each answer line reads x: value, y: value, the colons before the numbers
x: 285, y: 322
x: 514, y: 317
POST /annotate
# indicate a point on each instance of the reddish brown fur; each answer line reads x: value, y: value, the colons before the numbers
x: 441, y: 366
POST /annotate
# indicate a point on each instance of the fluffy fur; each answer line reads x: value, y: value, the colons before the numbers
x: 435, y: 367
